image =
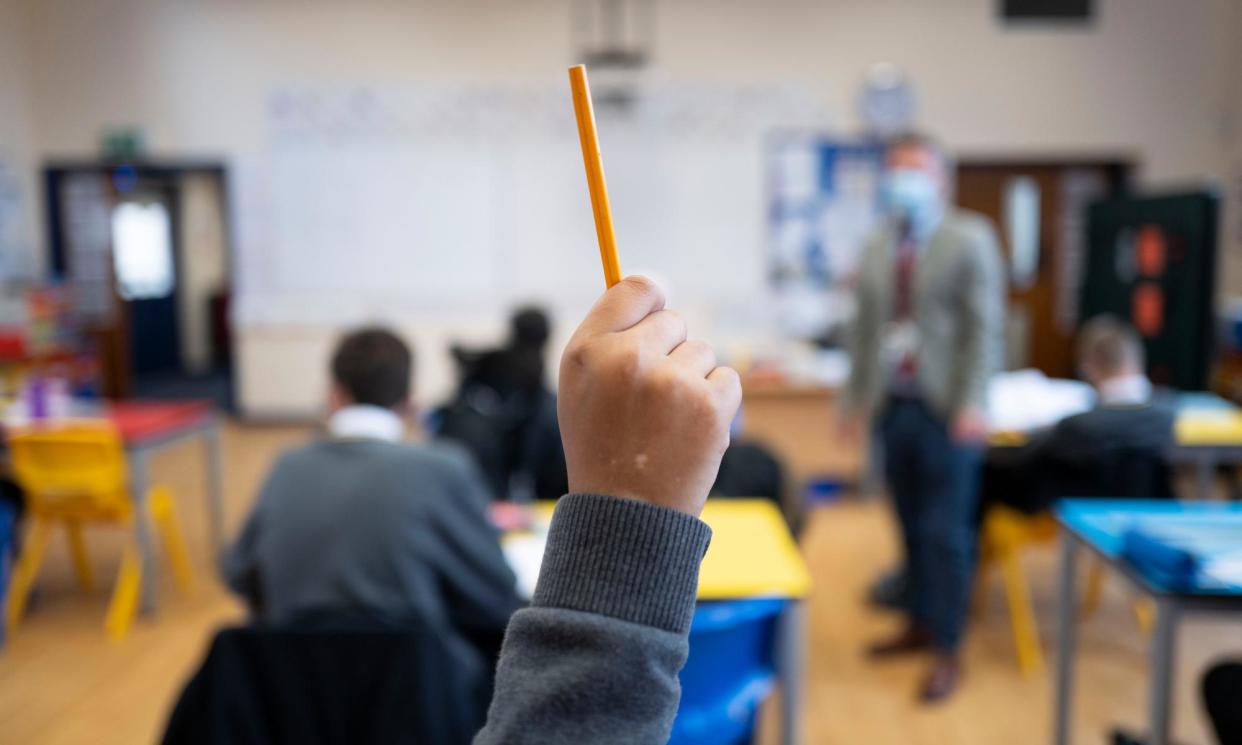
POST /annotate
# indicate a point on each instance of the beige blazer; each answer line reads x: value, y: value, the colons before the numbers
x: 959, y: 308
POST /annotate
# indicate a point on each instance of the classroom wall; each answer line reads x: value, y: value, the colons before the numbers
x: 1153, y: 79
x: 1231, y: 243
x: 19, y: 255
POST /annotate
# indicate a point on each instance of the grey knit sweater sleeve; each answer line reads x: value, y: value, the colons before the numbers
x: 594, y: 659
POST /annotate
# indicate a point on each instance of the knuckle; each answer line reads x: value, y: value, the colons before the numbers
x: 703, y: 349
x: 728, y: 395
x: 626, y: 362
x: 674, y: 320
x: 701, y: 405
x: 728, y: 379
x: 641, y: 286
x: 579, y: 354
x: 663, y: 382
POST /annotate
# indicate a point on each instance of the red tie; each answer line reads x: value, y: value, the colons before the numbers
x: 903, y: 306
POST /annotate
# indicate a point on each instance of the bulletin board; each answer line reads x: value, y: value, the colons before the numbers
x: 823, y: 201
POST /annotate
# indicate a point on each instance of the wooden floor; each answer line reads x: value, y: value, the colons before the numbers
x: 61, y: 682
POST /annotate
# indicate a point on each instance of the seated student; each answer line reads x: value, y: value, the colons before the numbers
x: 505, y: 415
x: 362, y: 523
x: 1115, y: 449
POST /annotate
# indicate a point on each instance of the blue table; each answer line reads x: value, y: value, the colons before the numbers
x: 1098, y: 525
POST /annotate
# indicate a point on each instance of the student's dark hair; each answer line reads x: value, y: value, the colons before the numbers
x: 1109, y: 345
x: 373, y: 366
x: 529, y: 327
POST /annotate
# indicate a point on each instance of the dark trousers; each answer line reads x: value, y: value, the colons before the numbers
x: 934, y: 483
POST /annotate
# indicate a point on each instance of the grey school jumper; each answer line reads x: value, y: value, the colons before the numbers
x: 594, y: 660
x: 387, y: 528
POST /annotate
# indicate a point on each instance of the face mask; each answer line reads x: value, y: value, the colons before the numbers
x: 911, y: 195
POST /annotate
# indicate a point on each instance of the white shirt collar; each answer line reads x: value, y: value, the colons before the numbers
x: 364, y: 422
x: 1125, y: 390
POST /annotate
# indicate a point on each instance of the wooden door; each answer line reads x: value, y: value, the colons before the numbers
x: 1043, y: 306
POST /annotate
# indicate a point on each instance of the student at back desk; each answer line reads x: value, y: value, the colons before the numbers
x: 1115, y: 449
x: 364, y: 524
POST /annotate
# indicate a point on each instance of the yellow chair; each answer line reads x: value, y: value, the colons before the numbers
x: 75, y: 475
x: 1005, y: 533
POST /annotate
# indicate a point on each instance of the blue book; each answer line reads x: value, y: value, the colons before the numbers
x: 1187, y: 552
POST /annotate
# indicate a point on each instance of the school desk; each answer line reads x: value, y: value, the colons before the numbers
x: 1208, y: 434
x: 146, y: 428
x: 1098, y: 525
x: 752, y: 555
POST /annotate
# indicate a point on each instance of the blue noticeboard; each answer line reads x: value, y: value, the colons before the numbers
x: 823, y: 202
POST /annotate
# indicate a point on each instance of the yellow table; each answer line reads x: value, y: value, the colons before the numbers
x: 1193, y: 428
x: 1206, y: 439
x: 1200, y: 429
x: 752, y: 555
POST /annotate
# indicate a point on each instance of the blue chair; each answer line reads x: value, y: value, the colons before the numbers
x: 8, y: 550
x: 730, y: 671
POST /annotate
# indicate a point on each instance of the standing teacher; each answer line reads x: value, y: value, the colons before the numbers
x: 928, y: 335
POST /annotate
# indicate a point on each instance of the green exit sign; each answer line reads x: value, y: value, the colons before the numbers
x: 122, y: 143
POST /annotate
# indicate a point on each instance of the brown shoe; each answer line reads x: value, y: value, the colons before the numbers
x: 911, y: 639
x: 942, y: 679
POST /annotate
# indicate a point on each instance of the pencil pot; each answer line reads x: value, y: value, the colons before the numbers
x: 821, y: 490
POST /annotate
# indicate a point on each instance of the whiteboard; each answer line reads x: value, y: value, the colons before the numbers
x: 421, y: 198
x: 383, y: 217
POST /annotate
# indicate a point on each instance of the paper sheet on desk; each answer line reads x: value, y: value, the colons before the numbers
x: 1027, y: 400
x: 524, y: 552
x: 1225, y: 571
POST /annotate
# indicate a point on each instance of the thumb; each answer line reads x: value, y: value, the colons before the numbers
x: 623, y: 305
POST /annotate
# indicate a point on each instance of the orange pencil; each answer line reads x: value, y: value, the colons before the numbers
x: 585, y: 114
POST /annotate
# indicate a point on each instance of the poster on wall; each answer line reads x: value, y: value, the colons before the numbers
x: 823, y: 201
x: 13, y: 237
x: 1152, y: 261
